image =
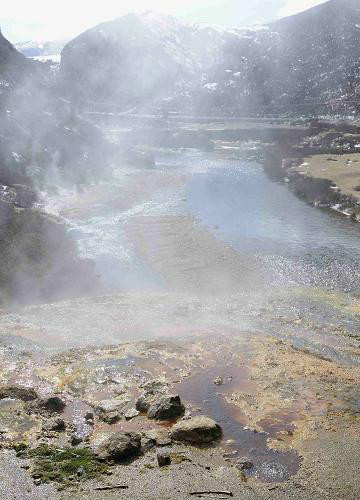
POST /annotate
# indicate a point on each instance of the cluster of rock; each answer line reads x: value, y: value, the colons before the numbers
x: 119, y: 446
x: 160, y: 407
x: 124, y: 445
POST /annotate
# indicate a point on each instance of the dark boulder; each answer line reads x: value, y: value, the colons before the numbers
x: 163, y: 459
x: 143, y: 404
x: 53, y: 404
x: 18, y: 392
x: 54, y: 425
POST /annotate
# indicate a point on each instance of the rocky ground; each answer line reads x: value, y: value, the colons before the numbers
x: 100, y: 422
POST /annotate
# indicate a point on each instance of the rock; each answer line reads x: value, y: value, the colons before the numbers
x: 244, y: 463
x: 18, y: 392
x: 152, y: 387
x: 147, y: 443
x: 120, y: 446
x: 109, y: 410
x: 82, y: 432
x: 219, y: 381
x: 54, y: 424
x: 110, y: 418
x: 81, y: 471
x: 132, y: 413
x: 143, y: 404
x: 111, y: 405
x: 197, y: 430
x: 159, y: 436
x: 53, y: 404
x: 166, y: 408
x: 89, y: 417
x: 163, y: 459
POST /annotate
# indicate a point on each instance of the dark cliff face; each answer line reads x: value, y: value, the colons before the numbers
x: 12, y: 64
x: 300, y: 62
x: 39, y: 134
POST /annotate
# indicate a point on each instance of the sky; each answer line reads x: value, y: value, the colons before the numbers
x: 22, y: 20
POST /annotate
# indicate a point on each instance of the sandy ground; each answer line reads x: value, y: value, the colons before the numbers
x: 342, y: 170
x: 189, y: 258
x: 208, y: 323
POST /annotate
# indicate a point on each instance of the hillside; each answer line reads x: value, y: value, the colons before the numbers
x: 42, y: 145
x: 138, y: 58
x: 307, y: 61
x: 13, y: 66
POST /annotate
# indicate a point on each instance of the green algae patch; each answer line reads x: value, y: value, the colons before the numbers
x: 178, y: 458
x: 64, y: 465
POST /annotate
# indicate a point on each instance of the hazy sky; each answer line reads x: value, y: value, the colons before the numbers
x: 48, y: 20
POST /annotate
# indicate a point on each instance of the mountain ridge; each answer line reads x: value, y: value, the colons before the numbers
x: 149, y: 60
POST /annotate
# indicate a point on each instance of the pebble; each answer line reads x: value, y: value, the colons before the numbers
x: 219, y: 381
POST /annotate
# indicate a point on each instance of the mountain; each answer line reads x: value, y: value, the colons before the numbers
x: 303, y: 59
x: 140, y: 58
x: 306, y: 61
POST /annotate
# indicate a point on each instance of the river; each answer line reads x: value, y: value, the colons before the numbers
x: 294, y: 243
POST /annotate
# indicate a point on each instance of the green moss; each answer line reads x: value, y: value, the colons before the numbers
x: 178, y: 458
x: 63, y: 465
x: 20, y: 446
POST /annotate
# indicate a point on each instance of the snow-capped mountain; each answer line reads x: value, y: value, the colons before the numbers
x: 302, y: 61
x: 139, y: 58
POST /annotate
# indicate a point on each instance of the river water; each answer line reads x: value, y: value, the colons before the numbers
x: 295, y: 244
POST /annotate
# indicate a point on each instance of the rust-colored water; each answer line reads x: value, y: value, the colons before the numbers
x: 199, y: 390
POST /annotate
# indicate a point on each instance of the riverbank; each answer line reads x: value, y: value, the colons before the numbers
x: 331, y: 181
x: 322, y: 168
